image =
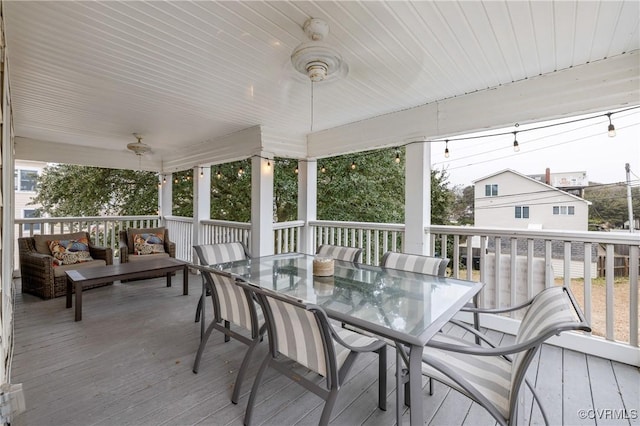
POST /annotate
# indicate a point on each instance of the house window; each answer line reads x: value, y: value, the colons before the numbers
x: 522, y: 212
x: 25, y: 180
x: 564, y: 210
x: 26, y: 214
x: 491, y: 190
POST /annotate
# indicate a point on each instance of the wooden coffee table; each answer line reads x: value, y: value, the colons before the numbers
x: 125, y: 271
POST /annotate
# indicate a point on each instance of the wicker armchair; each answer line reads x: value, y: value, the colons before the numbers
x: 128, y: 253
x: 39, y: 275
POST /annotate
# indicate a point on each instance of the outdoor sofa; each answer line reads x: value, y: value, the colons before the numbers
x: 45, y: 258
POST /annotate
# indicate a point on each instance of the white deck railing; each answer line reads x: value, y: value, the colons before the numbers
x: 605, y: 283
x: 103, y: 230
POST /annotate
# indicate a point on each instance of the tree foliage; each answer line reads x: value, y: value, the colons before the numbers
x: 609, y: 208
x: 69, y: 190
x: 372, y: 192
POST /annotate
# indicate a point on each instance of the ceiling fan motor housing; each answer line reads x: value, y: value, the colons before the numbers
x: 316, y: 59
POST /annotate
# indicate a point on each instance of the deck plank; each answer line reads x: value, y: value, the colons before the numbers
x: 129, y: 363
x: 628, y: 381
x: 577, y: 391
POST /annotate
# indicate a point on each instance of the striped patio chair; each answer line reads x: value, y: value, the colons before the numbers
x: 415, y: 263
x: 349, y: 254
x: 302, y: 333
x: 492, y: 376
x: 211, y: 254
x: 232, y: 305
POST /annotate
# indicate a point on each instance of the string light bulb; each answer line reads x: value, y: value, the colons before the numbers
x: 240, y: 171
x: 296, y: 171
x: 353, y: 165
x: 218, y: 174
x: 201, y: 172
x: 322, y: 169
x: 611, y: 130
x: 397, y: 160
x: 164, y: 179
x: 446, y: 148
x: 516, y: 146
x: 268, y: 164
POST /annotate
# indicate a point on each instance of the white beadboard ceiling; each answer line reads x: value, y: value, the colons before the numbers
x: 184, y: 74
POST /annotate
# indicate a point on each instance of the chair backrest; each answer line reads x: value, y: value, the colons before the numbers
x: 551, y: 311
x: 231, y: 302
x: 415, y: 263
x: 349, y: 254
x: 298, y: 331
x: 210, y: 254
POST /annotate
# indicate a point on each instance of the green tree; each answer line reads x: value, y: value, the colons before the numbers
x: 70, y: 190
x: 231, y: 191
x: 609, y: 208
x: 463, y: 205
x: 373, y: 191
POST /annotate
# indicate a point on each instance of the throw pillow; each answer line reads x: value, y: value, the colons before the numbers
x: 148, y: 243
x: 68, y: 252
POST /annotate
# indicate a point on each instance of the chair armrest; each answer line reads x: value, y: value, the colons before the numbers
x: 104, y: 253
x: 373, y: 346
x: 36, y: 265
x: 124, y: 247
x: 170, y: 247
x: 469, y: 308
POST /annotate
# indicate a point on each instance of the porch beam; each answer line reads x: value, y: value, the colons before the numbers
x: 594, y: 87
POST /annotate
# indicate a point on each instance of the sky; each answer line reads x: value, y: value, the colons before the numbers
x: 565, y: 147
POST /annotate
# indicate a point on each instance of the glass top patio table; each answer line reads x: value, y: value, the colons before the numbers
x: 403, y: 306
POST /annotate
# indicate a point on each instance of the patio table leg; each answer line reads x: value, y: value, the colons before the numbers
x: 185, y: 280
x: 69, y: 291
x: 78, y: 301
x: 415, y: 385
x: 400, y: 384
x: 168, y: 279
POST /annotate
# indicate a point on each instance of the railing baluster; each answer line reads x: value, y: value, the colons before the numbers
x: 609, y: 293
x: 634, y: 255
x: 587, y: 282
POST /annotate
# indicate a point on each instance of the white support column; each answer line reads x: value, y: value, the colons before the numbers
x: 307, y: 202
x: 165, y: 197
x: 201, y: 201
x: 262, y: 205
x: 417, y: 198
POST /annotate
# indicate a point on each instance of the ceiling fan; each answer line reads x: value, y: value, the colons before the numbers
x: 138, y: 147
x: 316, y: 59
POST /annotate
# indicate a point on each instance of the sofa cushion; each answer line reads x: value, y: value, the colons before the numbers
x: 67, y: 252
x: 146, y: 257
x: 132, y: 232
x: 42, y: 246
x: 58, y: 271
x: 148, y: 243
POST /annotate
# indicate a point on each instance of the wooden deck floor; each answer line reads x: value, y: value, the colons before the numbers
x: 129, y: 363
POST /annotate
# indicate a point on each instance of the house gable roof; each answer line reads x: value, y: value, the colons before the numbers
x: 544, y: 185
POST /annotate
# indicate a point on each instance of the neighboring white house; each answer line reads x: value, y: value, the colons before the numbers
x: 509, y: 199
x: 26, y: 174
